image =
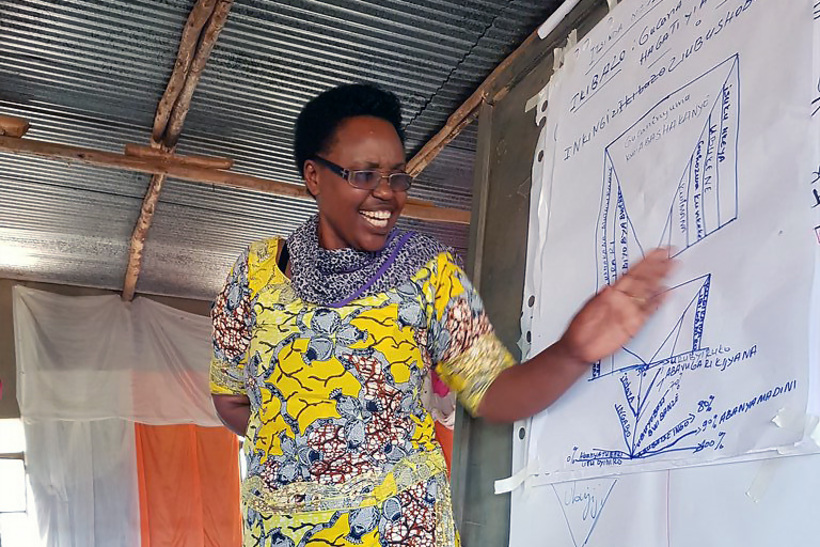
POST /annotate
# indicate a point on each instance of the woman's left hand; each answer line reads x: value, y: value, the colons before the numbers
x: 618, y: 312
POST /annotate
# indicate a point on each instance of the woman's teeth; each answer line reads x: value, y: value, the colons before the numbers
x: 379, y: 219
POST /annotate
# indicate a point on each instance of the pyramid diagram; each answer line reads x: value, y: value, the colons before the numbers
x: 675, y: 332
x: 582, y: 503
x: 671, y: 178
x: 706, y: 197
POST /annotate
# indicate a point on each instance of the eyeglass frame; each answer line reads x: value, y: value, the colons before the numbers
x: 347, y: 174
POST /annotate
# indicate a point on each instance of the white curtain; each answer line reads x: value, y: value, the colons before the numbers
x: 87, y: 369
x: 97, y: 357
x: 84, y: 479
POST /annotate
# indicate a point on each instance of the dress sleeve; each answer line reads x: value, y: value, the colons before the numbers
x: 232, y: 320
x: 465, y: 351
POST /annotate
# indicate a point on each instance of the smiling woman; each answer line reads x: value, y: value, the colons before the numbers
x: 348, y: 143
x: 322, y: 342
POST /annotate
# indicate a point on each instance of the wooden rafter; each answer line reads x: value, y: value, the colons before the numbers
x: 13, y: 127
x: 205, y: 22
x: 197, y: 19
x: 203, y: 53
x: 170, y: 166
x: 206, y: 162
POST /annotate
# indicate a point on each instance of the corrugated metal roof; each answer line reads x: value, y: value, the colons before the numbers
x: 90, y: 73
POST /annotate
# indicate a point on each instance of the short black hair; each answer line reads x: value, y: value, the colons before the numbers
x: 318, y: 120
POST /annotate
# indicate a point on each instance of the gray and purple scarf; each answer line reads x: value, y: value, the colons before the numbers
x: 336, y: 278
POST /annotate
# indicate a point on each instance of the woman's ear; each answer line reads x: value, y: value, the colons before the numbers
x: 311, y: 176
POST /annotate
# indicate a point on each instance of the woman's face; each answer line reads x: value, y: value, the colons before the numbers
x: 349, y: 216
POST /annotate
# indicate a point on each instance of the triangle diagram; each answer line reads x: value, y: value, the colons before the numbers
x: 677, y: 326
x: 706, y: 196
x: 582, y: 503
x: 676, y: 329
x: 617, y: 239
x: 675, y: 170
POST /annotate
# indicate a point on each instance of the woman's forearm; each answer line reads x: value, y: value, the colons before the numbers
x: 234, y: 411
x: 526, y: 389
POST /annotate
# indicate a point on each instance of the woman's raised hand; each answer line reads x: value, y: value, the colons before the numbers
x: 615, y: 315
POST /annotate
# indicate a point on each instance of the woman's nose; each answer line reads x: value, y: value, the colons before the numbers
x: 383, y: 190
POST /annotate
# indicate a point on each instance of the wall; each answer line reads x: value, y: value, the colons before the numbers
x: 8, y: 403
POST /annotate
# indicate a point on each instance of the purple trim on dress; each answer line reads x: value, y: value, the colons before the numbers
x: 381, y: 271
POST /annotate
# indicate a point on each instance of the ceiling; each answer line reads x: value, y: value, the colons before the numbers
x: 91, y: 73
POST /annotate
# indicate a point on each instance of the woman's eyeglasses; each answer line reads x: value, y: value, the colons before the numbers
x: 368, y: 179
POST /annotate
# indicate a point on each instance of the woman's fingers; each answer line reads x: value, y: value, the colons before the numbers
x: 657, y: 264
x: 644, y: 280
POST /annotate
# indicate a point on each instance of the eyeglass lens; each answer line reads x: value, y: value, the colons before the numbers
x: 369, y: 179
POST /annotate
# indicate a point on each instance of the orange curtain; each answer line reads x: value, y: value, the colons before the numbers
x: 189, y: 486
x: 445, y: 439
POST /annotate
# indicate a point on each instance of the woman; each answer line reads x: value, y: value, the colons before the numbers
x: 321, y: 343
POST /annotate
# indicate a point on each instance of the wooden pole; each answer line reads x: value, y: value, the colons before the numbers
x: 199, y: 15
x: 201, y: 31
x: 456, y: 123
x: 415, y: 209
x: 13, y: 127
x: 206, y: 45
x: 149, y: 204
x: 206, y: 162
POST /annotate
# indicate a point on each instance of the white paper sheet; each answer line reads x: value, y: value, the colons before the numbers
x: 664, y: 130
x: 757, y: 503
x: 754, y: 504
x: 612, y: 511
x: 814, y: 202
x: 816, y: 64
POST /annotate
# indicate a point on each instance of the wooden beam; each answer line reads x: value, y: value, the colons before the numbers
x: 435, y: 214
x: 197, y: 19
x: 203, y: 52
x: 206, y: 162
x: 13, y: 127
x: 201, y: 30
x: 456, y: 123
x: 415, y: 209
x: 149, y: 205
x: 488, y: 91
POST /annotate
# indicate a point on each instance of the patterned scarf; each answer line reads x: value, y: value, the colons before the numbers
x: 336, y: 278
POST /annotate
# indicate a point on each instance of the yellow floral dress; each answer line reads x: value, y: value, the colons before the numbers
x: 340, y: 450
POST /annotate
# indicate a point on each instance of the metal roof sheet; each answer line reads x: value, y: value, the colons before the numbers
x: 91, y: 72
